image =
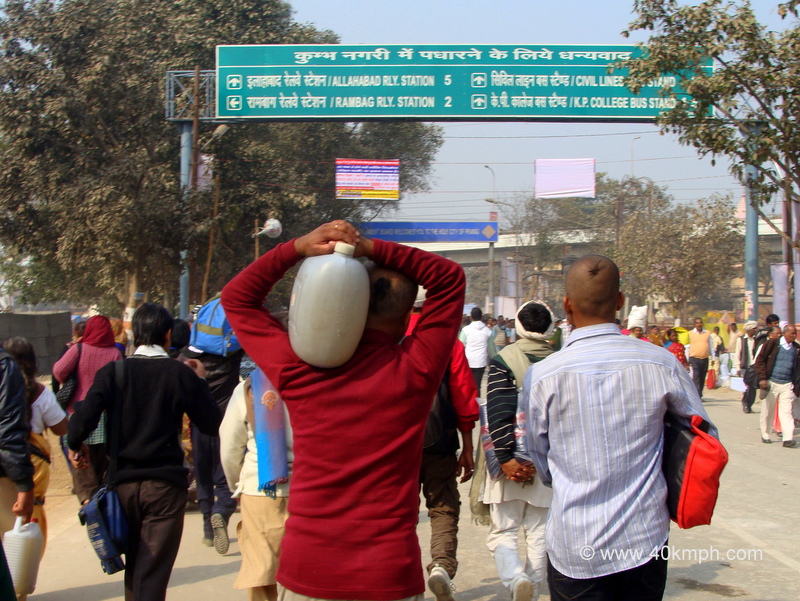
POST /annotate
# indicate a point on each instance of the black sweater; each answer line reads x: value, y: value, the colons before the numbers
x: 156, y: 393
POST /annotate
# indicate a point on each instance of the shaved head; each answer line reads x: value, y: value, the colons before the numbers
x: 392, y: 294
x: 391, y: 300
x: 592, y: 287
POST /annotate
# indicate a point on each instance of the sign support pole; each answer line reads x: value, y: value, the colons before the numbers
x: 189, y: 160
x: 750, y: 233
x: 490, y: 308
x: 751, y: 249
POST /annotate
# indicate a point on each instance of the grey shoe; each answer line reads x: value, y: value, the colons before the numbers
x: 440, y: 585
x: 522, y: 589
x: 220, y: 526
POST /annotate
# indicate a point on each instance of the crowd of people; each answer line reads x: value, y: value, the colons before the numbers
x: 750, y: 354
x: 327, y: 465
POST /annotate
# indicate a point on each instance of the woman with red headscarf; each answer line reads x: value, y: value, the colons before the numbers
x: 91, y: 352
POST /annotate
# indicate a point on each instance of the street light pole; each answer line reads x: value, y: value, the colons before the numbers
x: 186, y: 160
x: 491, y: 247
x: 219, y: 131
x: 515, y: 260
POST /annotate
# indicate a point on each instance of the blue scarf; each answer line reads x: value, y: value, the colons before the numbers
x: 270, y: 434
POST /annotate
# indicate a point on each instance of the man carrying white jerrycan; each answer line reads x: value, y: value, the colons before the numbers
x: 358, y: 427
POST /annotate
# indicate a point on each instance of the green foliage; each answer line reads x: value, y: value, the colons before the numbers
x: 752, y: 89
x: 681, y: 253
x: 546, y: 228
x: 89, y: 193
x: 675, y: 252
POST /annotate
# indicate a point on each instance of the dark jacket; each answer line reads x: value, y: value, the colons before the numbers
x: 744, y: 359
x: 222, y: 375
x: 765, y: 362
x: 15, y: 459
x: 155, y: 394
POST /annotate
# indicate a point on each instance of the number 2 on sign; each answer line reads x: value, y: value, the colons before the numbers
x: 448, y: 101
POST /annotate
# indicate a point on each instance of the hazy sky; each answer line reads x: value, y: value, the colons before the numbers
x: 460, y: 182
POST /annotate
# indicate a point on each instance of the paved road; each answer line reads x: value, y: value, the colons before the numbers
x: 755, y: 521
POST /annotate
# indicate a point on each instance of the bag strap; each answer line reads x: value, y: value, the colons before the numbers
x: 38, y: 451
x: 115, y: 429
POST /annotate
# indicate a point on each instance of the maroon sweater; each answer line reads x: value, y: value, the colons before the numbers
x: 358, y: 430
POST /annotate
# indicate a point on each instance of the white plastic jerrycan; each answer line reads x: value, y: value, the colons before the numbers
x: 328, y: 309
x: 23, y: 547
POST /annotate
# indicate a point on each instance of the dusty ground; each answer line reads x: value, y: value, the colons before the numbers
x: 60, y: 490
x: 755, y: 518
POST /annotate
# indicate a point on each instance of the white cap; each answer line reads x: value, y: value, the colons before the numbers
x: 421, y: 292
x: 343, y: 248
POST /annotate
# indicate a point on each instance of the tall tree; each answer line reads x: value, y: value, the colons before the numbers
x: 544, y: 229
x: 684, y: 254
x: 89, y: 197
x: 747, y: 109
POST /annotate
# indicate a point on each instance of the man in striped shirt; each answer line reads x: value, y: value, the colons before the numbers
x: 518, y: 498
x: 596, y: 434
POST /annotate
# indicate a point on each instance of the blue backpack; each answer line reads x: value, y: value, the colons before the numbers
x: 108, y: 528
x: 212, y: 333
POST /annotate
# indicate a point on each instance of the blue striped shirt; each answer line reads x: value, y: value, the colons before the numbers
x: 596, y: 433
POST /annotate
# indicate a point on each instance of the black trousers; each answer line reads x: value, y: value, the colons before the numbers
x: 699, y: 371
x: 6, y: 584
x: 213, y: 494
x: 154, y: 510
x: 748, y: 398
x: 477, y: 373
x: 643, y: 583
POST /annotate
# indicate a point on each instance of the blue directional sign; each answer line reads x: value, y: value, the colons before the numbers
x: 432, y: 231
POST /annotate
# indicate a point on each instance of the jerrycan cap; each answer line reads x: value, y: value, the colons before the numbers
x: 343, y: 248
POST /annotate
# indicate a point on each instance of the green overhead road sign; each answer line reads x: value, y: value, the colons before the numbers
x: 432, y: 82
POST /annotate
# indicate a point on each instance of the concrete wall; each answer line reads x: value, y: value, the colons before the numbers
x: 48, y: 332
